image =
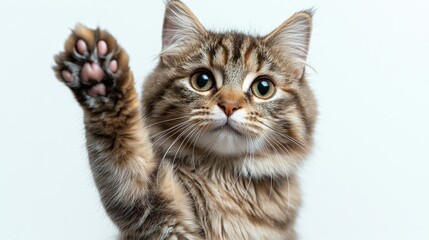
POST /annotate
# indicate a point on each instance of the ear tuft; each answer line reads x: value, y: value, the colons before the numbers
x: 180, y: 27
x: 292, y: 38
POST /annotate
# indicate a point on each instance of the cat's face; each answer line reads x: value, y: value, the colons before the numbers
x: 230, y: 94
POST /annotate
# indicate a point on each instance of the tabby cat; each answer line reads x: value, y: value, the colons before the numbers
x: 212, y: 149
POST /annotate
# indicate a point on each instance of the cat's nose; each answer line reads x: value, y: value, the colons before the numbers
x: 229, y: 107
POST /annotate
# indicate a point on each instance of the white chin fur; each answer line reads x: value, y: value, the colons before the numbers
x: 227, y: 142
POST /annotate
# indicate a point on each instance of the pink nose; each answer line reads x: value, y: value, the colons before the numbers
x: 229, y: 107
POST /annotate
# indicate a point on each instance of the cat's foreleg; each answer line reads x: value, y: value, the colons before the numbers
x: 142, y: 200
x: 96, y: 69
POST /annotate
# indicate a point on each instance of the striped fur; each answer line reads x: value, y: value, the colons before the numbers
x: 164, y: 168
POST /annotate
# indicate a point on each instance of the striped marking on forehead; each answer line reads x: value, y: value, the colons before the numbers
x: 237, y: 49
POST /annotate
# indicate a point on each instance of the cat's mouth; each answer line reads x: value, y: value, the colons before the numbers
x: 227, y: 128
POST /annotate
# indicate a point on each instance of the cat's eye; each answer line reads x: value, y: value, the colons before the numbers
x: 263, y: 88
x: 202, y: 80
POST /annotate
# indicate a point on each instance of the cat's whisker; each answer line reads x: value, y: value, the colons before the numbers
x: 167, y: 135
x: 266, y: 151
x: 191, y: 138
x: 164, y: 121
x: 287, y: 175
x: 288, y: 182
x: 190, y: 129
x: 166, y: 131
x: 161, y: 135
x: 207, y: 119
x: 200, y: 111
x: 193, y: 148
x: 282, y: 147
x: 251, y: 156
x: 208, y: 151
x: 166, y: 152
x: 187, y: 137
x: 190, y: 126
x: 294, y: 163
x: 303, y: 146
x: 247, y: 187
x: 245, y: 157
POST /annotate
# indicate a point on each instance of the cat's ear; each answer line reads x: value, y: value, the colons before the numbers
x: 292, y: 39
x: 180, y: 28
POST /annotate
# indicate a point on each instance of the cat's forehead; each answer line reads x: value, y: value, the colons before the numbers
x: 235, y: 50
x: 235, y: 55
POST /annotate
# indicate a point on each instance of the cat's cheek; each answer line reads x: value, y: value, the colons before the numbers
x: 298, y: 125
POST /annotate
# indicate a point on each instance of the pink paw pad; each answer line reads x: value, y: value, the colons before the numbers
x: 113, y: 66
x: 67, y: 76
x: 92, y: 71
x: 81, y: 47
x: 98, y: 89
x: 102, y: 48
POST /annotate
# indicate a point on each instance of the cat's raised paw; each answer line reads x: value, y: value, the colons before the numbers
x: 93, y: 66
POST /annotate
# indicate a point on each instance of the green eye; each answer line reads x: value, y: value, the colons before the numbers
x: 202, y: 80
x: 263, y: 88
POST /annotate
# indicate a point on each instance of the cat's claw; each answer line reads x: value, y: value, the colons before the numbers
x: 92, y: 65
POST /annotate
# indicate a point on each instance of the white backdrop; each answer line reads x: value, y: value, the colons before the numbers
x: 367, y: 178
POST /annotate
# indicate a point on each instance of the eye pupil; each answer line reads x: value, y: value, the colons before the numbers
x: 263, y: 87
x: 202, y: 80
